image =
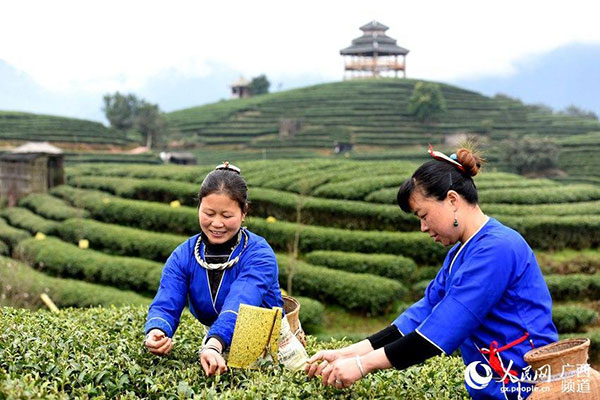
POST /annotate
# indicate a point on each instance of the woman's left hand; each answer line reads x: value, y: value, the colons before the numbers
x: 342, y: 373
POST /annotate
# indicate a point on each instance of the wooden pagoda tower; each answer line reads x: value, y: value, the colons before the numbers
x: 374, y: 54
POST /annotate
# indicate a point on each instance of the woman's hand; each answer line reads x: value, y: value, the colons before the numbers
x: 317, y: 363
x: 212, y: 362
x: 211, y: 359
x: 158, y: 343
x: 342, y: 373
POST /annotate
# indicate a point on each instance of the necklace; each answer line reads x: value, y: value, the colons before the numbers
x: 198, y: 252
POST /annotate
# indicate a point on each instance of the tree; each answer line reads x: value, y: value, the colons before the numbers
x: 120, y: 110
x: 427, y: 101
x: 259, y: 85
x: 531, y: 155
x: 150, y: 122
x: 575, y: 111
x: 127, y: 112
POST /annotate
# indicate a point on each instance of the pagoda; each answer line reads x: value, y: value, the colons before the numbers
x: 374, y: 54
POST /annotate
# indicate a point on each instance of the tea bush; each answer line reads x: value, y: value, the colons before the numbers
x: 569, y: 261
x: 572, y: 318
x: 59, y: 258
x: 51, y: 207
x: 21, y: 286
x: 386, y: 265
x: 10, y: 235
x: 120, y: 240
x: 23, y: 218
x: 263, y: 203
x: 98, y: 353
x: 574, y: 287
x: 280, y: 235
x: 352, y: 291
x: 4, y: 249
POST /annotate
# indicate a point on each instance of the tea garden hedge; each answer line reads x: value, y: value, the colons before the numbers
x: 357, y: 255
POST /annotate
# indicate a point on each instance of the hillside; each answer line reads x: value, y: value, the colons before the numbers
x: 365, y: 112
x: 373, y: 116
x: 19, y: 126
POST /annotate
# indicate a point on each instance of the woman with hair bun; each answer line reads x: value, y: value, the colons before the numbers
x: 215, y: 271
x: 489, y: 299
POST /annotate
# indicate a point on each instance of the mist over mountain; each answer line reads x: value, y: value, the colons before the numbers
x: 564, y: 76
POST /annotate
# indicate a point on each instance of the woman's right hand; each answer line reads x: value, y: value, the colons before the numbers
x: 158, y: 343
x: 319, y: 361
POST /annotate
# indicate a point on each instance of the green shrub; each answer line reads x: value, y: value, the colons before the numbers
x: 25, y: 219
x: 574, y: 287
x: 98, y: 353
x: 352, y: 291
x: 561, y: 194
x: 22, y: 285
x: 264, y: 203
x: 386, y: 265
x: 425, y: 273
x: 357, y: 189
x: 10, y: 235
x: 569, y: 261
x: 418, y: 289
x: 120, y: 240
x: 311, y: 314
x: 51, y: 207
x: 572, y: 318
x: 280, y: 235
x: 414, y: 245
x: 4, y: 249
x: 142, y: 189
x: 141, y: 214
x: 58, y: 258
x: 555, y: 233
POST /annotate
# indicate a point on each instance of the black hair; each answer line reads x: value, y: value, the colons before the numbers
x: 436, y: 177
x: 228, y: 182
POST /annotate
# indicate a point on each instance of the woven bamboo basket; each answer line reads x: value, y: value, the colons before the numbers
x: 292, y: 312
x: 579, y: 386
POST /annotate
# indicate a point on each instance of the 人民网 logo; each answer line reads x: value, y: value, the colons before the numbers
x: 476, y: 381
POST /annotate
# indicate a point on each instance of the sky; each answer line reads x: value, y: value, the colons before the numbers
x: 83, y: 49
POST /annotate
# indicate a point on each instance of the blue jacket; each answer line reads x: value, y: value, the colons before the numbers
x: 491, y: 289
x: 252, y: 280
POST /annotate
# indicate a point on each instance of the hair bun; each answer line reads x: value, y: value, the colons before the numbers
x: 470, y: 160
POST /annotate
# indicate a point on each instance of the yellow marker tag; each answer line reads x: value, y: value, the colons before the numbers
x: 40, y: 236
x: 256, y: 333
x: 49, y: 303
x: 106, y: 200
x: 175, y: 203
x: 84, y: 244
x: 271, y: 219
x: 283, y: 292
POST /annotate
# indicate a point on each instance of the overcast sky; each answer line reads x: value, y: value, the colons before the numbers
x: 102, y: 46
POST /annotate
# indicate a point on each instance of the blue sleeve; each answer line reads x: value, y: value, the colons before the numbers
x: 412, y: 317
x: 476, y: 287
x: 166, y: 308
x: 250, y: 287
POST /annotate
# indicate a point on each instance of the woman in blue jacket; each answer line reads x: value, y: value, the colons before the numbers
x: 215, y: 271
x: 489, y: 298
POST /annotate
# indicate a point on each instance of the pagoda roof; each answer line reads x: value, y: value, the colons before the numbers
x: 373, y: 42
x: 374, y: 26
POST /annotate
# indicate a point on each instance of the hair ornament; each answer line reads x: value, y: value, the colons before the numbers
x: 438, y: 155
x: 228, y: 167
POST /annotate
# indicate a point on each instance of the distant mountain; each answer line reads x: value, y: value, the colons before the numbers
x: 565, y: 76
x: 568, y: 75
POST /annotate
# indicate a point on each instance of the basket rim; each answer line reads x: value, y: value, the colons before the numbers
x: 542, y: 353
